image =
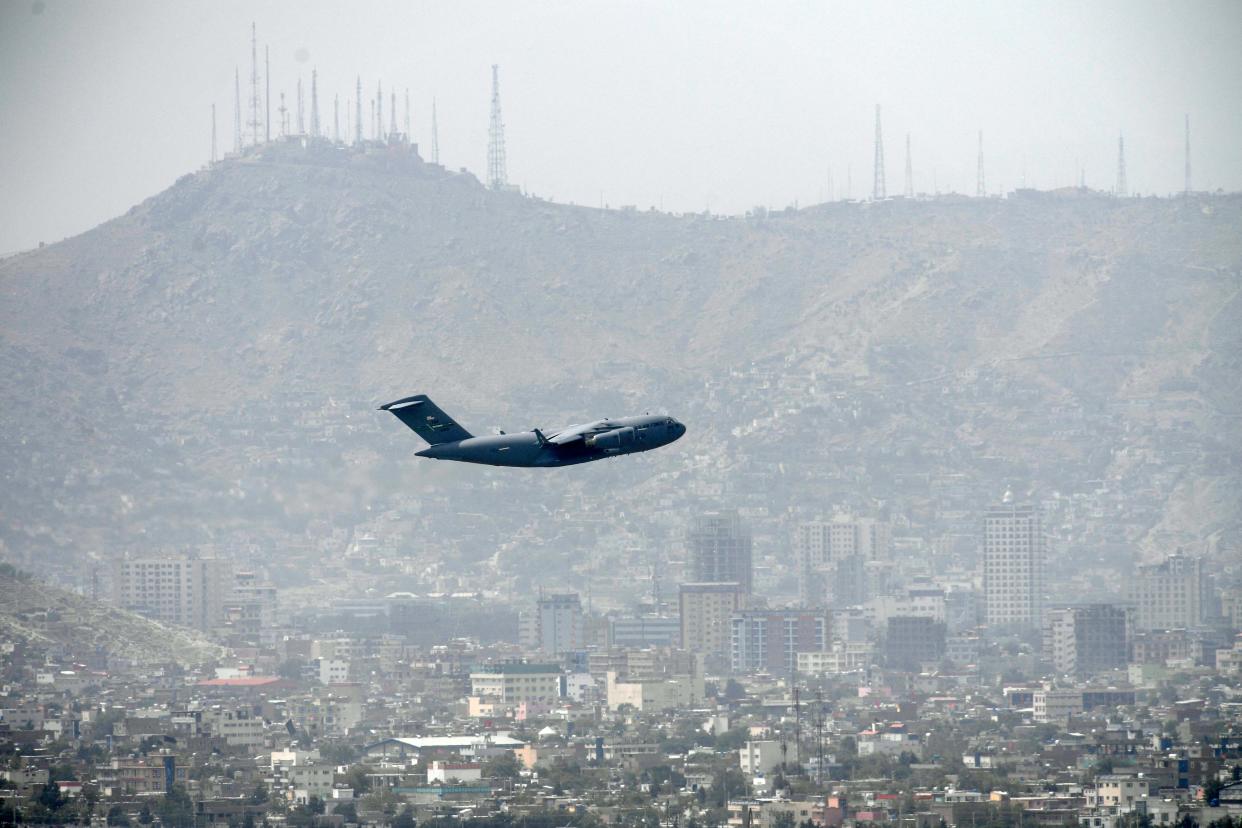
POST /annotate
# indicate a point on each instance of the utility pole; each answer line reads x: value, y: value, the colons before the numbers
x: 980, y: 186
x: 1121, y: 167
x: 877, y: 186
x: 909, y: 170
x: 435, y: 135
x: 497, y: 177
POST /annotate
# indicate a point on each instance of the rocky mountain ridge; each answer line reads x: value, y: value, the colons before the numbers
x: 273, y: 301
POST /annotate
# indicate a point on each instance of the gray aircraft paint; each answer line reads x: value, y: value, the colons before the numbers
x: 568, y: 446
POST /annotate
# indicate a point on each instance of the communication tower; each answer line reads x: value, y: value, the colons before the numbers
x: 237, y: 122
x: 877, y: 186
x: 314, y: 121
x: 497, y: 178
x: 267, y: 95
x: 909, y: 170
x: 301, y: 109
x: 379, y: 111
x: 1121, y: 167
x: 255, y: 124
x: 358, y: 114
x: 981, y: 189
x: 435, y: 135
x: 336, y: 119
x: 1187, y: 187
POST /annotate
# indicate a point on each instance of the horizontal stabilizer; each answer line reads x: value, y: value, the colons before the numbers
x: 427, y: 420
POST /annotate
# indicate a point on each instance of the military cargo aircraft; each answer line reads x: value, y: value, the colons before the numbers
x: 566, y: 447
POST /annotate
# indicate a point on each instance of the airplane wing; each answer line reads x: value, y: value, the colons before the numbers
x: 579, y: 432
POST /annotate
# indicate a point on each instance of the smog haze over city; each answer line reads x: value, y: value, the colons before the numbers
x: 579, y: 414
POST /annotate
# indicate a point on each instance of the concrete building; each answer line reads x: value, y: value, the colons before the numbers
x: 174, y: 589
x: 1119, y: 791
x: 1056, y: 705
x: 832, y: 552
x: 238, y: 727
x: 762, y: 757
x: 720, y: 550
x: 1013, y: 565
x: 843, y: 657
x: 911, y: 641
x: 644, y: 631
x: 705, y: 610
x: 516, y: 682
x: 558, y: 625
x: 1085, y: 640
x: 311, y: 780
x: 152, y: 774
x: 771, y: 640
x: 652, y: 693
x: 444, y: 772
x: 1169, y: 595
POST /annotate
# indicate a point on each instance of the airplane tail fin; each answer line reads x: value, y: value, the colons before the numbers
x: 427, y: 420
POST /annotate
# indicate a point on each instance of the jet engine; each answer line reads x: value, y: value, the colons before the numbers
x: 614, y: 440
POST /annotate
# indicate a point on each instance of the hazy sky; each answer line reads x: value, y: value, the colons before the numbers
x: 683, y: 105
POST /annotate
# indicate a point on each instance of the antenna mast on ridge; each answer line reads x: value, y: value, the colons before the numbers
x: 909, y: 170
x: 980, y: 187
x: 1187, y: 188
x: 254, y: 124
x: 314, y: 103
x: 1121, y: 167
x: 435, y: 135
x: 877, y: 187
x: 237, y: 122
x: 497, y: 177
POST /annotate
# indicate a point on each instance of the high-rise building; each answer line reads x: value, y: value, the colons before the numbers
x: 771, y: 640
x: 175, y: 589
x: 1013, y: 565
x: 825, y: 552
x: 911, y: 641
x: 558, y: 624
x: 1169, y: 595
x: 720, y: 550
x: 705, y: 611
x: 1085, y: 640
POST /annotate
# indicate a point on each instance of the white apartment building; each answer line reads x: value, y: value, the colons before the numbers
x: 1013, y: 565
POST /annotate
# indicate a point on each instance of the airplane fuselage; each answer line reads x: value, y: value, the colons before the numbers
x: 626, y: 435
